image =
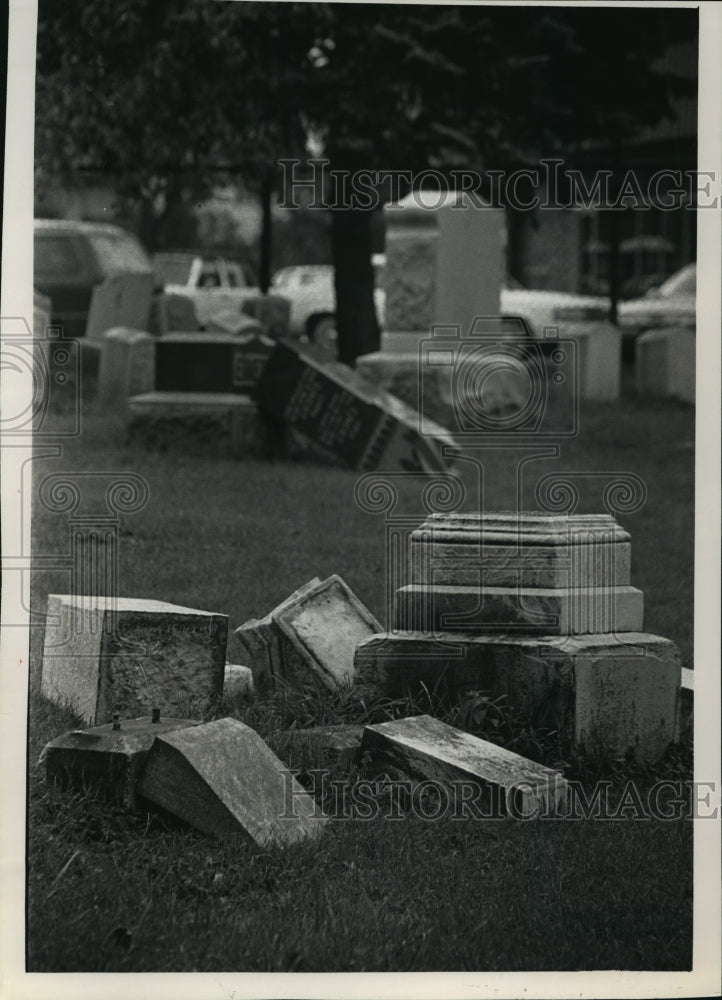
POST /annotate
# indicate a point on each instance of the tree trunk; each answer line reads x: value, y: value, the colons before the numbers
x: 264, y: 262
x: 356, y: 322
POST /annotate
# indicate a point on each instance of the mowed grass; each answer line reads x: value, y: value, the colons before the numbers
x: 110, y: 891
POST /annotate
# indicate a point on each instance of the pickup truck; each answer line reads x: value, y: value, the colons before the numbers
x: 214, y: 284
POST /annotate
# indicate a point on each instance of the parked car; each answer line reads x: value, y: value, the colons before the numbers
x: 214, y: 284
x: 541, y: 308
x: 310, y: 290
x: 674, y: 302
x: 72, y: 257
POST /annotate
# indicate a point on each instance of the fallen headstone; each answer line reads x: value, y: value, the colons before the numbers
x: 337, y: 744
x: 325, y: 624
x: 348, y: 416
x: 265, y: 647
x: 424, y: 749
x: 110, y: 757
x: 234, y: 323
x: 602, y: 695
x: 104, y: 655
x: 121, y: 300
x: 533, y: 610
x: 210, y: 362
x: 238, y: 681
x: 222, y: 779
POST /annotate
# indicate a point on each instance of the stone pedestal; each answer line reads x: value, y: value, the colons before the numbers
x: 221, y: 423
x: 603, y: 693
x: 127, y: 366
x: 110, y: 758
x: 104, y: 655
x: 665, y: 363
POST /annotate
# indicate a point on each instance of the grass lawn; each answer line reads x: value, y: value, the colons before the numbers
x: 108, y: 891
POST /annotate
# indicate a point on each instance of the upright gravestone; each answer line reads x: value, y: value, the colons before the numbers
x: 210, y: 362
x: 127, y: 366
x: 121, y: 300
x: 666, y: 363
x: 104, y: 655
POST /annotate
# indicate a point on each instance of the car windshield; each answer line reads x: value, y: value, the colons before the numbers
x: 684, y: 282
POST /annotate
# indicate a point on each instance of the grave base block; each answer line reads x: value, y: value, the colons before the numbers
x: 105, y: 758
x: 225, y: 423
x: 604, y: 694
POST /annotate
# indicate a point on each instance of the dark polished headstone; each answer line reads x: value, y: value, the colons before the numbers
x: 207, y: 362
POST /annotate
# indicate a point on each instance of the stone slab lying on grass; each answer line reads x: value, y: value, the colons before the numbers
x: 604, y: 694
x: 238, y: 681
x: 104, y: 655
x: 325, y: 624
x: 222, y: 779
x: 221, y: 423
x: 348, y: 415
x: 107, y: 758
x: 339, y: 744
x: 425, y: 749
x: 265, y: 647
x: 212, y: 362
x: 528, y: 549
x: 538, y: 611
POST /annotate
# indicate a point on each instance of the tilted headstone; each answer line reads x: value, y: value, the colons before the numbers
x: 265, y: 647
x: 222, y: 779
x: 109, y: 758
x: 601, y: 694
x: 348, y: 416
x: 127, y: 366
x: 219, y: 422
x: 325, y: 624
x: 172, y: 313
x: 104, y: 655
x: 210, y: 362
x: 121, y: 300
x: 427, y: 750
x: 665, y: 363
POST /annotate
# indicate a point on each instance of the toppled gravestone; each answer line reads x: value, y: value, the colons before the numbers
x: 309, y: 637
x: 222, y: 779
x: 347, y: 416
x: 109, y: 758
x: 426, y: 750
x: 104, y: 655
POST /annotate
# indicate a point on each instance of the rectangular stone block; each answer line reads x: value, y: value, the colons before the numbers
x: 221, y: 423
x: 222, y: 779
x: 265, y: 648
x: 325, y: 624
x: 538, y: 611
x: 212, y: 362
x: 348, y: 416
x: 665, y: 363
x: 605, y: 694
x: 600, y: 359
x: 425, y: 749
x: 172, y: 313
x: 110, y: 757
x: 104, y: 655
x: 127, y: 366
x: 120, y: 300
